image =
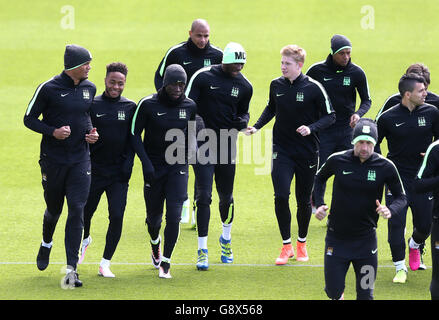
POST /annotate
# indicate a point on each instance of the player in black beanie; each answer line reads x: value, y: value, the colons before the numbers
x: 75, y: 56
x: 64, y: 103
x: 339, y: 42
x: 165, y: 177
x: 77, y: 63
x: 343, y: 80
x: 174, y: 74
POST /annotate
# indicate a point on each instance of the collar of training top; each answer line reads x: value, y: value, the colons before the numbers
x: 105, y: 97
x: 194, y: 49
x: 164, y: 98
x: 330, y: 63
x: 298, y: 79
x: 65, y: 78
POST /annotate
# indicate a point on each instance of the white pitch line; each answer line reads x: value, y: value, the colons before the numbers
x: 192, y: 264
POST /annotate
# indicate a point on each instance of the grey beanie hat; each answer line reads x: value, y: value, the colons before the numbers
x: 75, y: 56
x: 174, y: 73
x: 365, y: 129
x: 339, y: 42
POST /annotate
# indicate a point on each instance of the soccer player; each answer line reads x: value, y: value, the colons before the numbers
x: 431, y: 97
x: 165, y: 177
x: 359, y: 178
x: 427, y: 180
x: 409, y: 128
x: 111, y: 161
x: 342, y: 79
x: 64, y: 102
x: 195, y: 53
x: 222, y: 95
x: 302, y: 108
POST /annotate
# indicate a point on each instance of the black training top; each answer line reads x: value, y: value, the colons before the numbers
x: 190, y: 57
x: 408, y: 134
x: 341, y: 84
x: 302, y: 102
x: 156, y: 114
x: 222, y: 100
x: 62, y: 103
x: 356, y: 187
x: 112, y: 118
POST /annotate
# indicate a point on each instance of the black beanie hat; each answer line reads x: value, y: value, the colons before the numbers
x: 75, y: 56
x: 365, y: 129
x: 174, y: 73
x: 339, y: 42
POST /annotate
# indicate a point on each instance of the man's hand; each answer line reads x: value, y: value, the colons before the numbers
x: 92, y: 137
x: 383, y: 211
x: 321, y: 212
x: 250, y: 130
x: 304, y: 130
x: 354, y: 119
x: 62, y: 132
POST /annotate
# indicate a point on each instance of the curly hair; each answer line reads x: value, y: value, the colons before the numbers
x: 117, y: 67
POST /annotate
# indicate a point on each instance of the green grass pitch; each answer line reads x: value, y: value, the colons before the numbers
x: 387, y: 36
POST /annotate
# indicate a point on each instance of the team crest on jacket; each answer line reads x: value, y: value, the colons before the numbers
x: 86, y: 94
x: 421, y: 122
x: 371, y: 175
x: 299, y: 96
x: 347, y: 81
x: 121, y: 115
x: 235, y: 92
x: 182, y: 114
x: 207, y: 62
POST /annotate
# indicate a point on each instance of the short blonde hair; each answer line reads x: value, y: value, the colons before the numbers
x: 295, y: 52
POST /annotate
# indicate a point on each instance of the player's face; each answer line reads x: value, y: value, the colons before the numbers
x: 363, y: 149
x: 417, y: 96
x: 81, y: 72
x: 175, y: 90
x: 342, y: 57
x: 114, y: 84
x: 200, y: 36
x: 290, y: 68
x: 233, y: 69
